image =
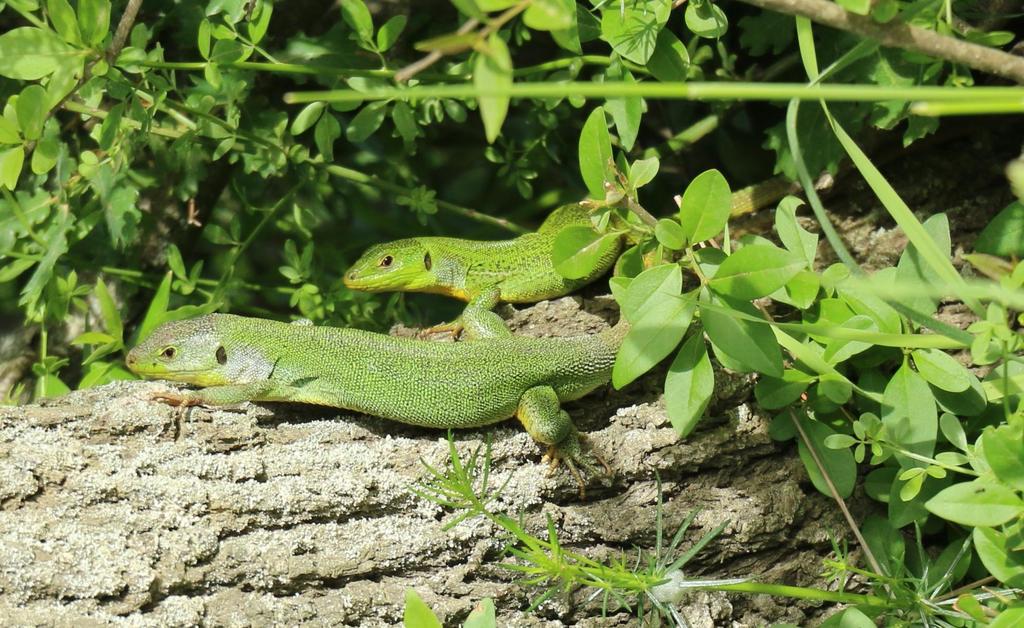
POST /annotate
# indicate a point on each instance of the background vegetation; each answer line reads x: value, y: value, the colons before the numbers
x: 166, y: 160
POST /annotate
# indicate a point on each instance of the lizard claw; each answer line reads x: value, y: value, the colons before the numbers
x: 454, y: 328
x: 578, y: 461
x: 175, y: 399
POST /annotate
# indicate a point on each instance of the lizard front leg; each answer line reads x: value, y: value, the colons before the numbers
x: 216, y: 395
x: 478, y: 320
x: 544, y: 419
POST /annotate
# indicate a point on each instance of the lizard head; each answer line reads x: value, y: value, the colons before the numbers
x: 392, y: 266
x: 190, y: 351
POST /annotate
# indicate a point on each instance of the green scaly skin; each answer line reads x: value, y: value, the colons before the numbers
x: 431, y: 384
x: 483, y: 273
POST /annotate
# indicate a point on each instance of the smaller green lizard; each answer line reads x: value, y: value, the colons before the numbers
x: 433, y: 384
x: 483, y: 273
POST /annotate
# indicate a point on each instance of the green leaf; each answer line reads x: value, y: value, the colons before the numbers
x: 357, y: 16
x: 941, y: 370
x: 94, y: 20
x: 632, y: 27
x: 111, y: 126
x: 366, y: 122
x: 157, y: 309
x: 390, y: 32
x: 1009, y: 618
x: 227, y: 51
x: 579, y: 250
x: 794, y: 237
x: 1004, y: 235
x: 405, y: 122
x: 28, y: 53
x: 912, y: 267
x: 802, y: 290
x: 56, y: 239
x: 745, y: 343
x: 203, y: 38
x: 495, y: 5
x: 625, y: 111
x: 569, y: 38
x: 482, y: 615
x: 93, y: 338
x: 62, y: 16
x: 468, y: 8
x: 642, y: 171
x: 670, y: 234
x: 666, y: 278
x: 123, y: 215
x: 11, y: 161
x: 860, y: 7
x: 909, y: 414
x: 306, y: 118
x: 755, y: 271
x: 417, y: 613
x: 595, y: 153
x: 670, y: 62
x: 705, y: 207
x: 111, y: 316
x: 258, y: 26
x: 977, y: 503
x: 492, y: 69
x: 689, y: 385
x: 848, y: 618
x: 44, y: 157
x: 9, y: 133
x: 705, y: 19
x: 550, y: 15
x: 835, y: 388
x: 1003, y: 449
x: 773, y: 393
x: 49, y: 386
x: 327, y: 130
x: 838, y: 463
x: 1000, y: 557
x: 953, y: 431
x: 657, y: 330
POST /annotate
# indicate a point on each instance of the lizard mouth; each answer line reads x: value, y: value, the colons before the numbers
x: 199, y: 377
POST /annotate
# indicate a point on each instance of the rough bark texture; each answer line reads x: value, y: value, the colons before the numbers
x: 289, y: 514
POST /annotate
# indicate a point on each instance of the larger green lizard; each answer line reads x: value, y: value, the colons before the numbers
x: 440, y: 385
x: 483, y: 273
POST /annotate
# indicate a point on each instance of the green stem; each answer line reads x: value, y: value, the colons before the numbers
x: 261, y: 66
x: 678, y: 91
x: 687, y: 137
x: 373, y: 181
x: 802, y: 593
x: 144, y: 279
x: 236, y: 253
x: 326, y: 70
x: 100, y: 114
x: 568, y: 62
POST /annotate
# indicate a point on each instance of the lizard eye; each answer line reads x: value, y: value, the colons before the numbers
x: 427, y: 263
x: 168, y: 353
x: 386, y: 261
x: 222, y: 355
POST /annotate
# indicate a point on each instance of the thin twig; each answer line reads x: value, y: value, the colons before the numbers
x: 416, y: 67
x: 835, y: 495
x: 640, y: 212
x: 897, y: 34
x: 124, y: 28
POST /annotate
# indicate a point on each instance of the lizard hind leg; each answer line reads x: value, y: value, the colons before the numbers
x: 547, y: 423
